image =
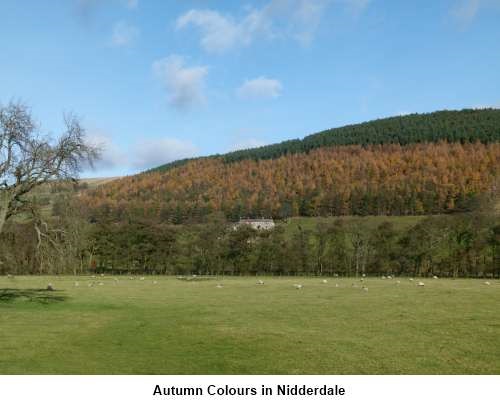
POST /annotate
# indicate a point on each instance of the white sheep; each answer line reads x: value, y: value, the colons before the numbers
x: 420, y: 284
x: 101, y: 283
x: 325, y: 281
x: 435, y: 277
x: 363, y: 275
x: 487, y: 283
x: 383, y: 277
x: 50, y: 287
x: 337, y: 286
x: 155, y: 282
x: 298, y: 286
x: 365, y: 289
x: 219, y: 285
x: 77, y: 284
x: 398, y: 282
x: 142, y: 278
x: 389, y: 277
x: 411, y: 279
x: 260, y: 282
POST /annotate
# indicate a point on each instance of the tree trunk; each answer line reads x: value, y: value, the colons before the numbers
x: 4, y: 207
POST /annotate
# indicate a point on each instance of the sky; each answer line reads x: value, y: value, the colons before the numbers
x: 154, y: 81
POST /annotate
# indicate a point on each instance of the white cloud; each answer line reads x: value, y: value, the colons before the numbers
x: 259, y: 88
x: 124, y: 34
x: 298, y: 19
x: 146, y: 153
x: 466, y: 10
x: 150, y: 153
x: 185, y: 85
x: 132, y: 4
x: 111, y: 155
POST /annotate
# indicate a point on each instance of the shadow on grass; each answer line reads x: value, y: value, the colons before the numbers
x: 42, y: 296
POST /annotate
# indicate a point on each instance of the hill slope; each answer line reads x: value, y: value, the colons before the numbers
x: 469, y: 125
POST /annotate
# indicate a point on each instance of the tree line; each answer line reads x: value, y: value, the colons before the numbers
x: 464, y: 126
x: 458, y: 245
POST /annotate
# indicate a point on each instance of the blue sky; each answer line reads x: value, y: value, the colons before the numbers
x: 155, y: 81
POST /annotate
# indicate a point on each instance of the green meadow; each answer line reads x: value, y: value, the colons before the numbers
x: 163, y: 325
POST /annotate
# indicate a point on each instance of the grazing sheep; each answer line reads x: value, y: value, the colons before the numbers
x: 325, y: 281
x: 487, y: 283
x: 101, y: 283
x: 77, y: 284
x: 93, y: 276
x: 363, y: 275
x: 131, y: 278
x: 9, y: 275
x: 383, y: 277
x: 298, y: 286
x: 420, y: 284
x: 365, y: 289
x: 142, y: 278
x: 435, y: 277
x: 102, y: 274
x: 50, y: 287
x: 90, y: 284
x: 411, y: 279
x: 336, y: 285
x: 389, y: 277
x: 260, y: 282
x: 155, y: 282
x: 354, y: 285
x: 335, y: 275
x: 398, y: 282
x: 362, y: 280
x: 116, y: 280
x: 219, y: 285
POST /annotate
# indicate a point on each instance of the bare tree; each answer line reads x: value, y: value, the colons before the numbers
x: 29, y: 159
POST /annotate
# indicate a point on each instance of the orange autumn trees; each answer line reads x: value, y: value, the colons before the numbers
x: 343, y: 180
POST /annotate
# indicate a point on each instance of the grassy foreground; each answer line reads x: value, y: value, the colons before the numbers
x: 193, y: 327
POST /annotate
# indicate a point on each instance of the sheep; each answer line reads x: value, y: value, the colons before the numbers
x: 9, y: 275
x: 365, y: 289
x: 398, y: 282
x: 411, y: 279
x: 155, y: 282
x: 142, y: 278
x: 77, y: 284
x: 420, y: 284
x: 219, y: 285
x: 90, y: 284
x: 260, y: 282
x: 354, y: 285
x: 435, y: 277
x: 50, y: 287
x: 325, y: 281
x: 363, y: 275
x: 487, y: 283
x: 337, y: 286
x: 362, y: 280
x: 383, y: 277
x: 101, y: 283
x: 102, y: 274
x: 389, y: 277
x: 298, y: 286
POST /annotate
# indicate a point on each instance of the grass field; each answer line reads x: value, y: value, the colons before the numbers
x: 192, y: 327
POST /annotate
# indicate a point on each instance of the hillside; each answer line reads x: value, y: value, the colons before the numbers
x: 407, y: 165
x: 469, y: 125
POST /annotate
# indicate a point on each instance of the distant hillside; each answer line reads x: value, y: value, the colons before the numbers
x: 427, y: 178
x: 469, y: 125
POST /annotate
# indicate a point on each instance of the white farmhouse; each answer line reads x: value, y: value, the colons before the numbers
x: 257, y: 224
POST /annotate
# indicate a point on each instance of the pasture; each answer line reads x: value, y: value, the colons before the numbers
x: 162, y: 325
